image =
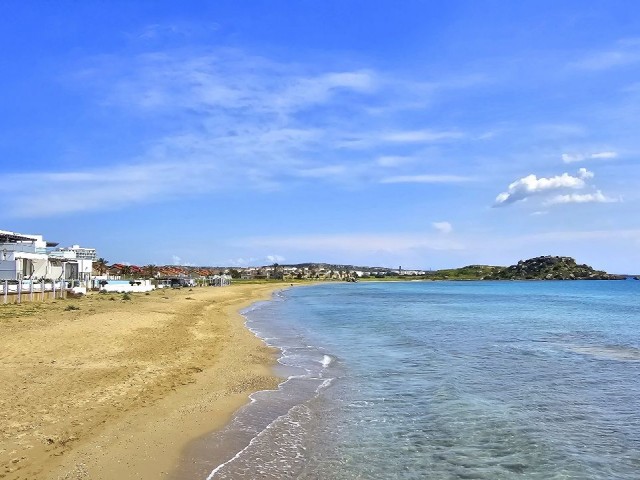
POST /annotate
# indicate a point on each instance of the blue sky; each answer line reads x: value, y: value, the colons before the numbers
x: 424, y: 134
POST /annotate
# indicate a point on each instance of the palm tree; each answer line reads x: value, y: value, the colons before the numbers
x: 150, y: 270
x: 102, y: 265
x: 125, y: 270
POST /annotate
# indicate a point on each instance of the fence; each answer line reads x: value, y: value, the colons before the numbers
x: 12, y: 291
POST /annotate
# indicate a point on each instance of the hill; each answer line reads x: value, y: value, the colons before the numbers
x: 538, y: 268
x: 551, y: 268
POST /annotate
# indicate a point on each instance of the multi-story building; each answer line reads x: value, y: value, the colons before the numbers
x: 25, y: 256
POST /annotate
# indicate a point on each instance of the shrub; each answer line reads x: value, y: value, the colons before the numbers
x: 126, y: 296
x: 68, y: 308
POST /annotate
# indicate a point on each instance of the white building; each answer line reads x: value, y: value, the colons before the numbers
x: 24, y: 257
x: 79, y: 261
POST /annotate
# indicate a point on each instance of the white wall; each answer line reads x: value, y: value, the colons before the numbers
x: 123, y: 286
x: 7, y: 270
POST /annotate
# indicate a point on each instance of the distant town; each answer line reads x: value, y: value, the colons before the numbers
x: 31, y: 257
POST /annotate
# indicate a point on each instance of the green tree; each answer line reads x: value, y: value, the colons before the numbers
x: 277, y: 272
x: 150, y: 270
x: 102, y: 265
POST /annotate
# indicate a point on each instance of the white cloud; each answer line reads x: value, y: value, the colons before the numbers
x: 532, y: 185
x: 584, y: 174
x: 597, y: 197
x: 580, y: 157
x: 428, y: 178
x: 604, y: 155
x: 420, y: 136
x: 275, y: 259
x: 572, y: 157
x: 176, y: 260
x: 393, y: 160
x: 443, y: 227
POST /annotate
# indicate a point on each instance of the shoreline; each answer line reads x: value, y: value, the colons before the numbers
x: 119, y: 389
x: 200, y: 458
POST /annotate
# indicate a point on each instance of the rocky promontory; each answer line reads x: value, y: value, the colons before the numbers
x: 550, y: 268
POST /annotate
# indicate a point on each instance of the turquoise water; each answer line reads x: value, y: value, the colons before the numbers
x: 447, y: 380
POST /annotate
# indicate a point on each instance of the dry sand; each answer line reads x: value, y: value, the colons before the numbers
x: 116, y: 389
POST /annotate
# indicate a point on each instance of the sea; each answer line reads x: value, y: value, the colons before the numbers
x: 444, y: 380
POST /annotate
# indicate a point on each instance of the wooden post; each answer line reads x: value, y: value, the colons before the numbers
x: 6, y: 290
x: 31, y: 290
x: 42, y: 289
x: 19, y: 290
x: 63, y: 284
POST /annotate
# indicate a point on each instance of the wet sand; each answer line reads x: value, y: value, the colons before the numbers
x: 117, y: 388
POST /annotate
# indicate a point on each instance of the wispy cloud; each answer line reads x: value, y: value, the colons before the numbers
x: 428, y: 178
x: 176, y: 260
x: 327, y: 171
x: 580, y: 157
x: 393, y: 160
x: 50, y: 193
x: 365, y: 242
x: 626, y: 52
x: 576, y: 235
x: 275, y: 258
x: 157, y: 31
x: 420, y: 136
x: 443, y: 227
x: 226, y: 118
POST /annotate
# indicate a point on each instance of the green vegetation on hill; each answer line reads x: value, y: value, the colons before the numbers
x: 470, y: 272
x: 552, y: 268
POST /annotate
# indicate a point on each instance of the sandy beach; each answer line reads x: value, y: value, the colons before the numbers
x: 117, y: 388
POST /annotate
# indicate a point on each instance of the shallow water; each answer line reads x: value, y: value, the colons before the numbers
x: 446, y: 380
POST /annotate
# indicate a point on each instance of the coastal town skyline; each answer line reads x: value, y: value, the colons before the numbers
x: 223, y: 135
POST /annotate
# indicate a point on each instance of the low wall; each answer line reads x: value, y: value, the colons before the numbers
x: 124, y: 286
